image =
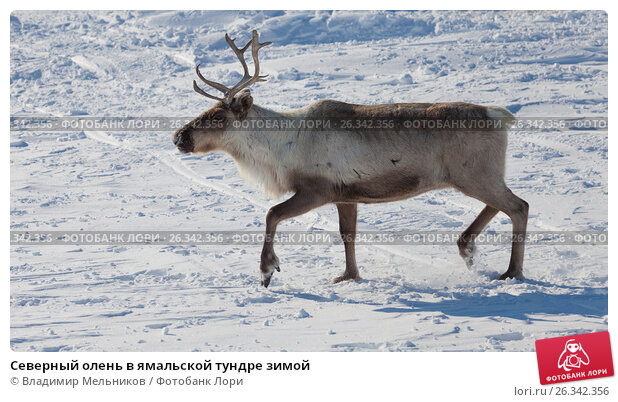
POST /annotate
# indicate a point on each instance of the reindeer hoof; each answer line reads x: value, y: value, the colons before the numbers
x: 267, y: 269
x: 511, y: 275
x: 345, y: 277
x: 505, y: 276
x: 467, y: 253
x: 266, y: 279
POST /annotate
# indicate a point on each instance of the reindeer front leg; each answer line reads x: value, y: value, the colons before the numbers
x: 347, y: 229
x: 301, y: 202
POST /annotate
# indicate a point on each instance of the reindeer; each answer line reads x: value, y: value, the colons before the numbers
x: 347, y: 166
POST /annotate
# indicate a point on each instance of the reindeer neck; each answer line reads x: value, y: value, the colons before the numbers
x: 259, y: 151
x: 263, y: 130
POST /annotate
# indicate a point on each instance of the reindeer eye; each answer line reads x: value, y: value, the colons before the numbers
x: 218, y: 117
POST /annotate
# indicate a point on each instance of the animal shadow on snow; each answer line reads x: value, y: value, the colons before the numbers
x: 580, y: 301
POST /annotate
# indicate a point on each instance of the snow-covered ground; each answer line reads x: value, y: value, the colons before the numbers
x: 207, y: 297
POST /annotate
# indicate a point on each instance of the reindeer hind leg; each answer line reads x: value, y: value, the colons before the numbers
x: 465, y: 242
x: 499, y: 197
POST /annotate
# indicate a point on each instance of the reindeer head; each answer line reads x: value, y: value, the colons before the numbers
x: 205, y: 132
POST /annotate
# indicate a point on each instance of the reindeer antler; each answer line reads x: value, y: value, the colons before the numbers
x: 246, y: 80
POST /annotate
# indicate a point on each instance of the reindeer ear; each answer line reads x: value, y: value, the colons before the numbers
x: 242, y: 103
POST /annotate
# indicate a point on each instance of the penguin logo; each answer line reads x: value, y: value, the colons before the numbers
x: 573, y: 356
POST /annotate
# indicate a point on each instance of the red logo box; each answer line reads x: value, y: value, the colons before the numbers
x: 574, y: 358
